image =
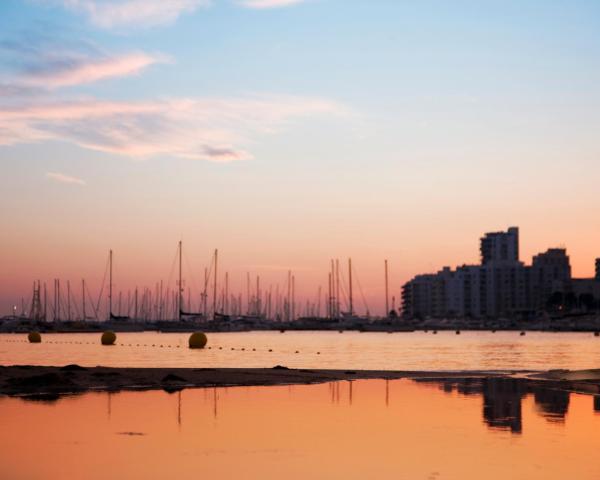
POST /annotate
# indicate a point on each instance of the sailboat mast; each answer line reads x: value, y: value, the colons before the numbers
x: 331, y: 291
x: 226, y: 302
x: 180, y: 296
x: 247, y: 293
x: 215, y: 285
x: 387, y: 306
x: 269, y: 302
x: 83, y: 297
x: 110, y: 283
x: 337, y: 288
x: 319, y: 303
x: 289, y: 297
x: 293, y: 297
x: 350, y: 284
x: 204, y: 294
x: 68, y: 300
x: 257, y: 303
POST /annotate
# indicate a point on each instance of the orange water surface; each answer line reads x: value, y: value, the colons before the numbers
x: 348, y: 430
x: 470, y: 350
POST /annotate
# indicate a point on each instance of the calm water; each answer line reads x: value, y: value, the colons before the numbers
x: 398, y: 351
x: 492, y: 429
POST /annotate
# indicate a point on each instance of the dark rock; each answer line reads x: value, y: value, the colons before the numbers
x: 171, y: 377
x: 42, y: 398
x: 73, y: 367
x: 172, y: 388
x: 105, y: 374
x: 42, y: 380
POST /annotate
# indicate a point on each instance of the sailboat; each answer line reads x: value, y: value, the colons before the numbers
x: 111, y: 316
x: 184, y: 316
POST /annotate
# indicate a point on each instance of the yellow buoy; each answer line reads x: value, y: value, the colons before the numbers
x: 34, y: 337
x: 198, y: 340
x: 108, y: 338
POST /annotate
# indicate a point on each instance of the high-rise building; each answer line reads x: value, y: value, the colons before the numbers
x: 500, y: 247
x: 550, y: 273
x: 417, y: 297
x: 500, y: 287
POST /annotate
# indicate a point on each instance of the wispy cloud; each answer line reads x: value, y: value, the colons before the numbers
x: 261, y: 4
x: 126, y: 13
x: 62, y: 178
x: 72, y: 71
x: 44, y: 63
x: 216, y: 129
x: 117, y: 14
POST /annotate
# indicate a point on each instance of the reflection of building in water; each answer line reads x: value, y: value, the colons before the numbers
x: 552, y: 404
x: 596, y: 403
x: 447, y: 387
x: 502, y: 402
x: 502, y: 398
x: 464, y: 386
x: 469, y: 386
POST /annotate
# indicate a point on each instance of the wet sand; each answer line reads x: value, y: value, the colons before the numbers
x: 51, y: 382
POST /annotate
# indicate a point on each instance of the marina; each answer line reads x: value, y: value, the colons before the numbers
x: 299, y: 239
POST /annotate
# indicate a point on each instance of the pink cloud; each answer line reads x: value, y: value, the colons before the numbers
x: 88, y: 70
x: 63, y: 178
x: 261, y: 4
x: 218, y: 129
x: 141, y: 13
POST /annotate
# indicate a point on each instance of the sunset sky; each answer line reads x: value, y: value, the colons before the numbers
x: 288, y: 132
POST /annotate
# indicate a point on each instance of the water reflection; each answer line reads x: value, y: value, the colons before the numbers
x: 179, y: 408
x: 596, y: 403
x: 502, y: 403
x: 386, y: 429
x: 552, y: 404
x: 503, y: 397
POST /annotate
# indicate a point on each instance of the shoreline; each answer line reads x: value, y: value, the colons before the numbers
x: 49, y: 383
x: 434, y: 328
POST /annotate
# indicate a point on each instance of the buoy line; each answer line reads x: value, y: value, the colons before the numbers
x: 109, y: 339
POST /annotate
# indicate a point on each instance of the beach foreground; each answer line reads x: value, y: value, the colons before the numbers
x: 48, y: 382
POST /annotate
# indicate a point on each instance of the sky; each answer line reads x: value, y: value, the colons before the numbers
x: 289, y: 132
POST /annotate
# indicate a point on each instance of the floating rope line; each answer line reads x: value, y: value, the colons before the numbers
x: 154, y: 345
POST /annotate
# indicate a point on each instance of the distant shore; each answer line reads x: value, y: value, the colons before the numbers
x: 49, y: 383
x: 567, y: 323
